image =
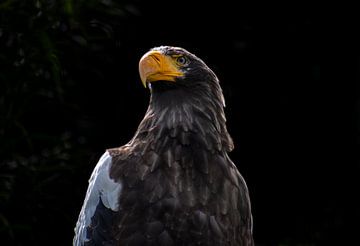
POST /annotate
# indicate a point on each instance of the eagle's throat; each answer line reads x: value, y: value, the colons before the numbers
x: 177, y: 117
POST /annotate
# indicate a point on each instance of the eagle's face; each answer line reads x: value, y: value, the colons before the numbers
x: 173, y: 65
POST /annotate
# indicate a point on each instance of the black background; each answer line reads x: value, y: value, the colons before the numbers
x: 70, y: 89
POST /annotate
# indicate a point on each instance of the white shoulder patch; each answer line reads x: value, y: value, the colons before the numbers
x: 100, y: 186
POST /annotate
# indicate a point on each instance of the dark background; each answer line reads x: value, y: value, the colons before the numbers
x: 69, y: 89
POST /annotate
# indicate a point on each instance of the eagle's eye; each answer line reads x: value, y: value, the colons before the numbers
x: 182, y: 60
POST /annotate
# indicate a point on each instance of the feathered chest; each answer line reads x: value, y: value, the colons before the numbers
x: 181, y: 187
x: 176, y: 172
x: 179, y: 151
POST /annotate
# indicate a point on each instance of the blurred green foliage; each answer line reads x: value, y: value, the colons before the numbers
x: 42, y: 42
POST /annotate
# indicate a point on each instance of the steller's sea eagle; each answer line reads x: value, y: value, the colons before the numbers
x: 173, y: 183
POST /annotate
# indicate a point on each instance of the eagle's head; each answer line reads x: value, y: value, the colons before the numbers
x: 168, y: 67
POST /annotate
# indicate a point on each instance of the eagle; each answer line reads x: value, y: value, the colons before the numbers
x: 173, y: 183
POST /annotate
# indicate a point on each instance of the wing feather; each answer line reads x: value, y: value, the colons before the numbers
x: 102, y: 193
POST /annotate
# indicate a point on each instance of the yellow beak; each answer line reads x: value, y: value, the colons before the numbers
x: 155, y: 66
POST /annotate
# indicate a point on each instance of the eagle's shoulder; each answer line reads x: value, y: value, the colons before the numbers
x: 101, y: 201
x: 118, y: 151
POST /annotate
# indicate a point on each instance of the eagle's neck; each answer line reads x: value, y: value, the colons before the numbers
x: 187, y: 117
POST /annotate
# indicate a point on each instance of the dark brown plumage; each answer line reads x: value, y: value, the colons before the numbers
x: 179, y: 186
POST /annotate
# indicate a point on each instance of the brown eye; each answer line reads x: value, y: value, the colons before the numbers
x: 182, y: 60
